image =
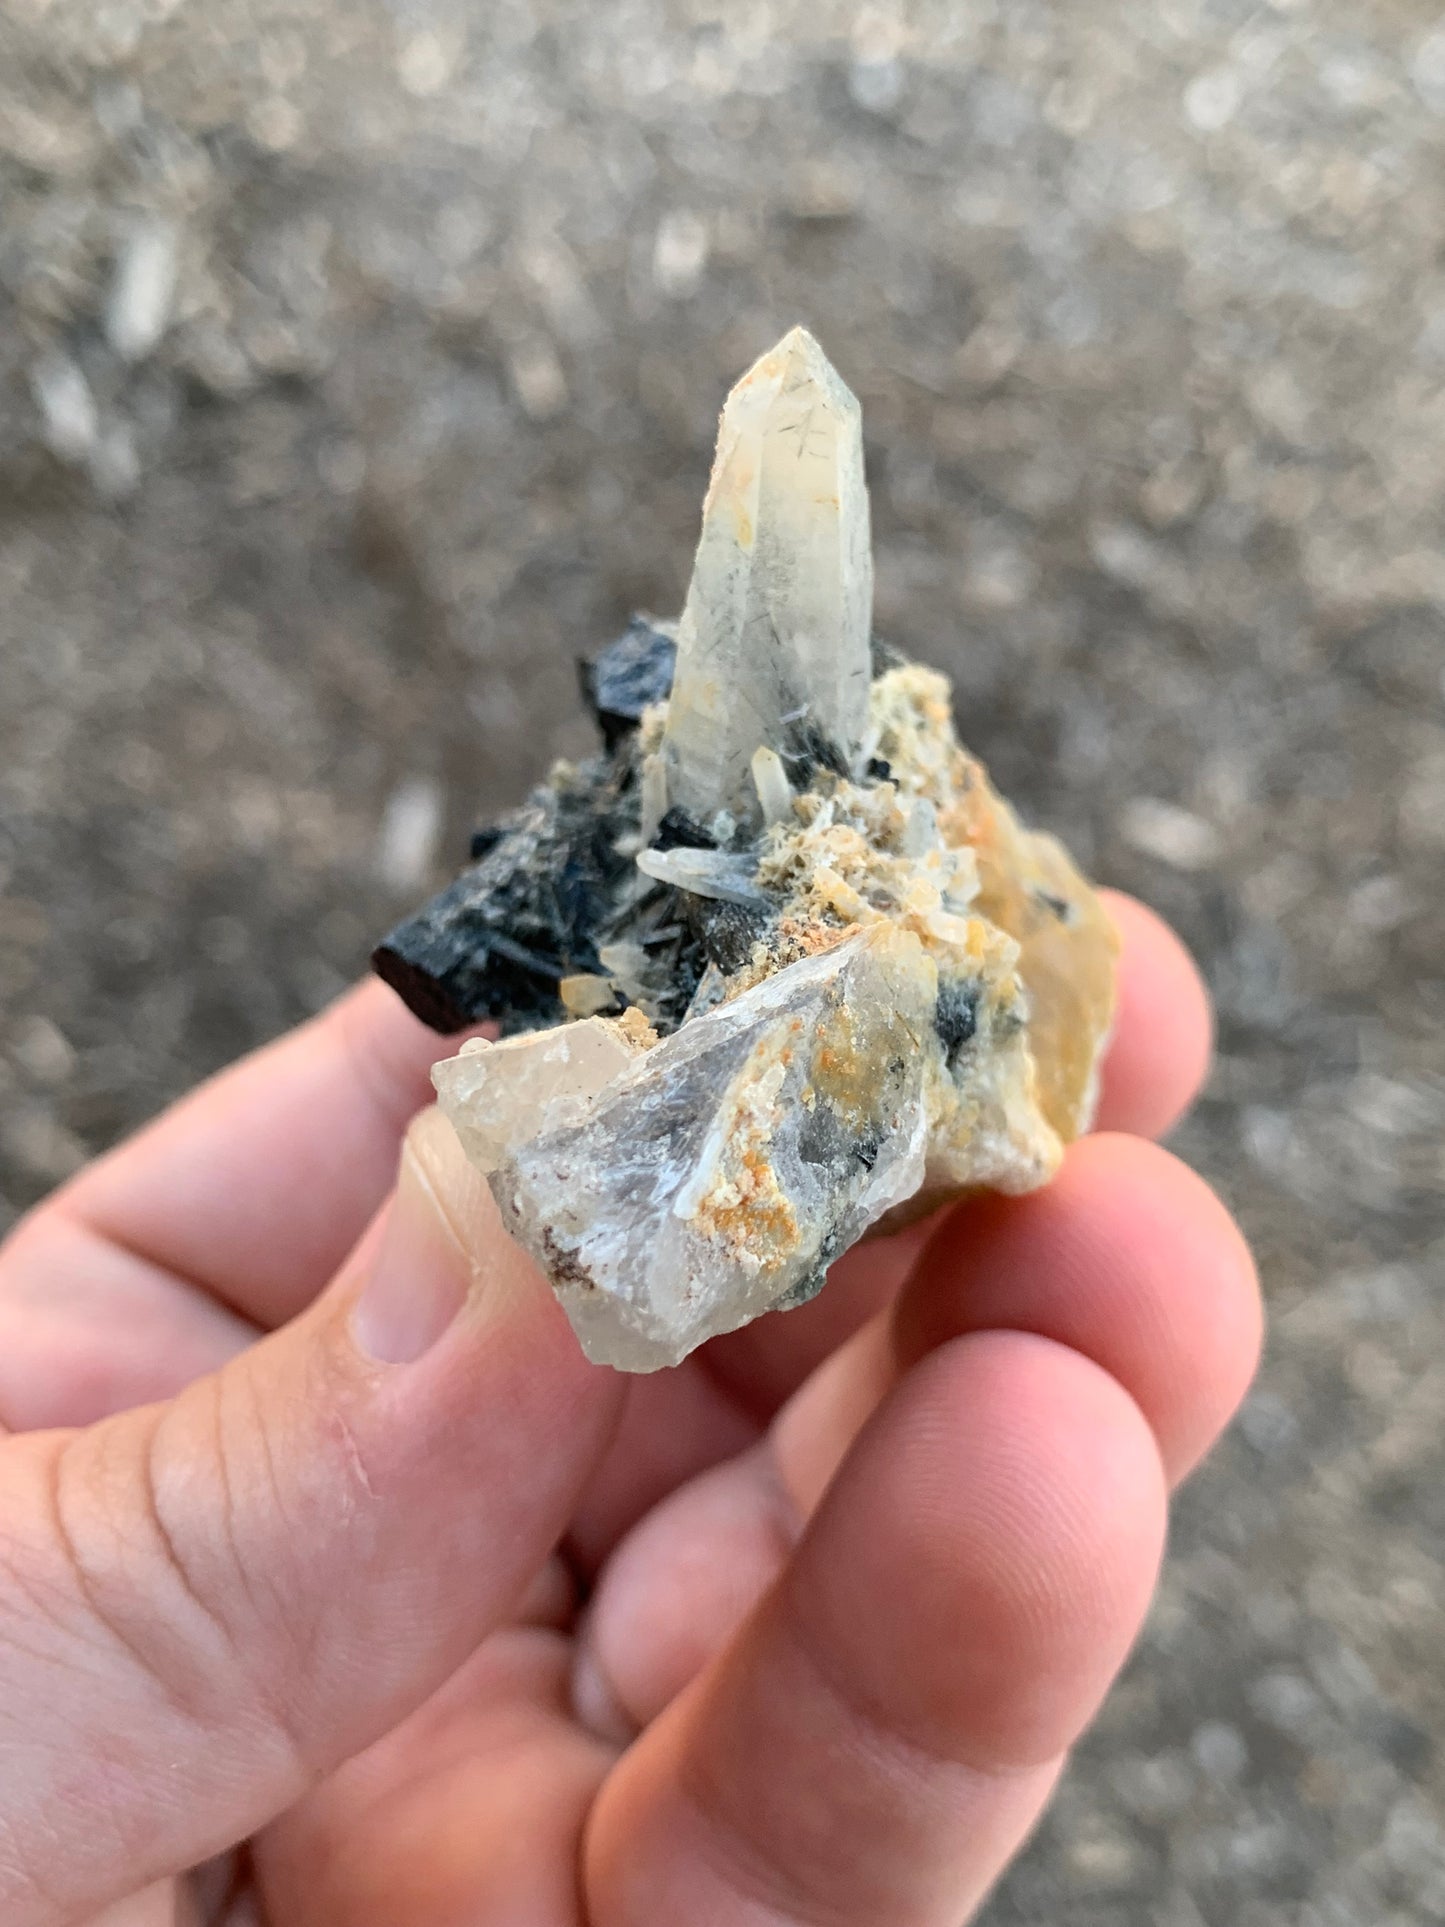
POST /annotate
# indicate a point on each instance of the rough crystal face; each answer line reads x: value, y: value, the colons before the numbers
x: 777, y: 967
x: 773, y: 642
x: 498, y: 1095
x: 720, y: 1173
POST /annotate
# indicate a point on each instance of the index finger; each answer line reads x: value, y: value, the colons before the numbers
x: 1159, y: 1054
x: 256, y: 1186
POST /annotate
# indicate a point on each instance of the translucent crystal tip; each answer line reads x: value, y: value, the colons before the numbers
x: 773, y: 645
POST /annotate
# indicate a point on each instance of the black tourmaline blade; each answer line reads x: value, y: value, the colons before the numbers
x: 494, y: 944
x: 546, y: 879
x: 626, y: 677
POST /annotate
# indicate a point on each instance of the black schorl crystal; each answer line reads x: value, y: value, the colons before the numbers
x: 495, y: 944
x: 547, y: 882
x: 679, y: 831
x: 725, y: 932
x: 627, y: 677
x: 807, y: 751
x: 956, y: 1017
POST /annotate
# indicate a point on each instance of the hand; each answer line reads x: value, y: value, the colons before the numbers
x: 381, y: 1578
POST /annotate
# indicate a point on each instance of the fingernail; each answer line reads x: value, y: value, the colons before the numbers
x: 420, y: 1279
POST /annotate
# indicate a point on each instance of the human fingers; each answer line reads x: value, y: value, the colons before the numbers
x: 1158, y: 1056
x: 256, y: 1186
x: 1127, y: 1258
x: 679, y: 1424
x: 163, y: 1905
x: 469, y: 1812
x: 120, y: 1289
x: 88, y: 1328
x: 206, y: 1605
x: 886, y: 1725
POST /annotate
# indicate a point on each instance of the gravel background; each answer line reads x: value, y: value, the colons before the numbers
x: 358, y: 365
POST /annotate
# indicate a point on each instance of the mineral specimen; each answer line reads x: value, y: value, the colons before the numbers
x: 778, y: 966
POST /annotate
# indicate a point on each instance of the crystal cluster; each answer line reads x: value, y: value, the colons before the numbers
x: 778, y: 966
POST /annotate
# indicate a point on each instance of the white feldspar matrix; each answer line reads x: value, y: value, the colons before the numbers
x: 778, y: 965
x: 773, y: 645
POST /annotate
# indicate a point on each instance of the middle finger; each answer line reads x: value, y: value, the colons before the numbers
x: 1128, y: 1259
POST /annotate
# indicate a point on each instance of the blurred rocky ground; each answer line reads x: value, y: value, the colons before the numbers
x: 358, y: 366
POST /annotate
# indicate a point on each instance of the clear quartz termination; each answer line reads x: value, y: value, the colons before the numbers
x: 773, y: 644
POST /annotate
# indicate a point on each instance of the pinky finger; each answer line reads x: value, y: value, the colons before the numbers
x: 885, y: 1728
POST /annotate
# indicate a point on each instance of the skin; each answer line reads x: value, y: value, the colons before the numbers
x: 797, y: 1635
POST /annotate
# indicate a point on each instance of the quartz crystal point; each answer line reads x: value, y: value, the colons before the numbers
x: 773, y: 645
x: 779, y: 966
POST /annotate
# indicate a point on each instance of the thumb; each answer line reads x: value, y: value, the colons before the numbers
x: 207, y: 1605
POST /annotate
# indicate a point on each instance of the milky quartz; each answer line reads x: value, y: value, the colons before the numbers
x: 845, y: 983
x: 720, y: 1173
x: 501, y: 1094
x: 773, y: 644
